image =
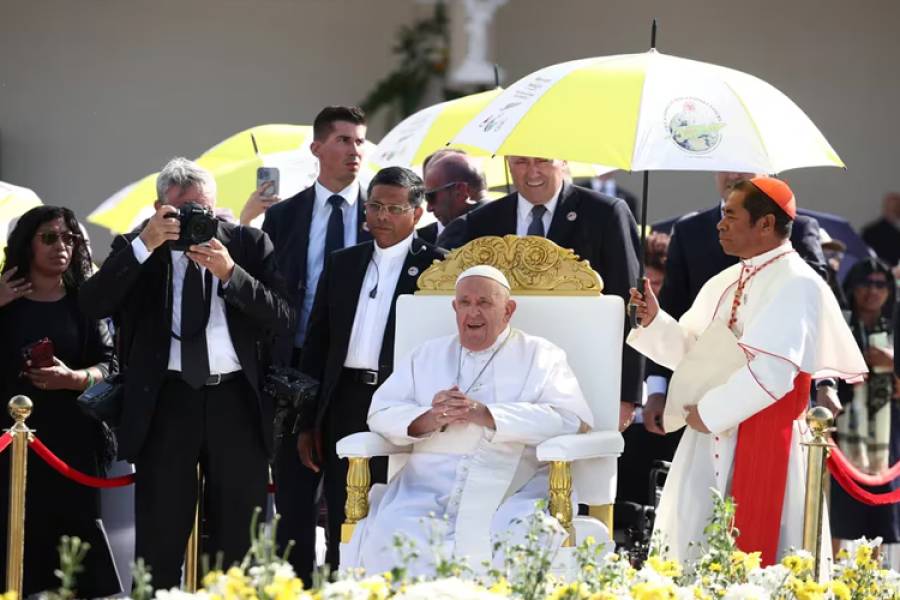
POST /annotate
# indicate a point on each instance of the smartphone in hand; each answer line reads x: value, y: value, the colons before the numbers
x: 265, y: 175
x: 39, y: 354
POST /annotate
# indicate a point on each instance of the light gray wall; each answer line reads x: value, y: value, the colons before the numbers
x: 96, y: 93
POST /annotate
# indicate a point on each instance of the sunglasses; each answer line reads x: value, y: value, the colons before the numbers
x: 48, y: 238
x: 395, y: 210
x: 872, y: 283
x: 431, y: 195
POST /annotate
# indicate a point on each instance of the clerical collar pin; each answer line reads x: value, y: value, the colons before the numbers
x: 572, y: 216
x: 413, y: 271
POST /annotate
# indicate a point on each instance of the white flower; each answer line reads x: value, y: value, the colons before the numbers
x: 745, y: 591
x: 447, y: 589
x: 176, y: 594
x: 769, y: 579
x: 345, y: 590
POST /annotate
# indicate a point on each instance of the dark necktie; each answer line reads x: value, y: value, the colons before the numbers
x: 536, y: 227
x: 194, y: 357
x: 334, y: 235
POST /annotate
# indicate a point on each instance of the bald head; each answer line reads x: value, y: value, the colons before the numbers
x: 454, y: 182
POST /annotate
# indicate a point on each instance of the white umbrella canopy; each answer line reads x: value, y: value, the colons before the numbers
x: 650, y: 111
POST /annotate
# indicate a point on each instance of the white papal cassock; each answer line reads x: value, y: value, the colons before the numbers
x: 788, y: 323
x: 481, y: 479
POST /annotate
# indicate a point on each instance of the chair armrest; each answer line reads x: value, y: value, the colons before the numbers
x: 581, y: 446
x: 366, y: 444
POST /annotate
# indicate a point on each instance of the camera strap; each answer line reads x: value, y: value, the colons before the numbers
x: 207, y: 308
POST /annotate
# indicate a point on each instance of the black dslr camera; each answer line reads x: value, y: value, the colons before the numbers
x: 198, y: 225
x: 293, y: 394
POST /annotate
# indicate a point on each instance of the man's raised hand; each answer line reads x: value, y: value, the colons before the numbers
x: 161, y: 228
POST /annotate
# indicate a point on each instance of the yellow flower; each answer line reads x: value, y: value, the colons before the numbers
x: 808, y: 589
x: 840, y: 590
x: 653, y: 591
x: 590, y: 541
x: 603, y: 596
x: 798, y: 565
x: 715, y: 567
x: 501, y: 586
x: 666, y: 568
x: 571, y: 591
x: 749, y: 561
x: 284, y: 588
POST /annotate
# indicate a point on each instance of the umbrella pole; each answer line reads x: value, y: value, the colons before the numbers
x: 642, y: 251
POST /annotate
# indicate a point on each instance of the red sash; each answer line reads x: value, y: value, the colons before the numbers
x: 760, y: 471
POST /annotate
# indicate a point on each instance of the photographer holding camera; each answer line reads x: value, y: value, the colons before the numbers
x: 196, y: 301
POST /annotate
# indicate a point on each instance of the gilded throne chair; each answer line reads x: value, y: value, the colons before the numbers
x: 559, y: 297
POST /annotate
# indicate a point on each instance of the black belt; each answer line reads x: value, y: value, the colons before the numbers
x: 364, y: 376
x: 212, y: 380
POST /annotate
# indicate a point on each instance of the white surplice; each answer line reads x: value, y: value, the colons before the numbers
x: 478, y: 480
x: 788, y: 321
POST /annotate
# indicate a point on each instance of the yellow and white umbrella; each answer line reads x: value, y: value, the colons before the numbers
x: 233, y: 162
x: 428, y: 130
x: 14, y: 202
x: 650, y: 111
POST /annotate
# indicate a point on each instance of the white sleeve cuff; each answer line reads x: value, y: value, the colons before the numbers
x: 140, y: 250
x: 657, y: 384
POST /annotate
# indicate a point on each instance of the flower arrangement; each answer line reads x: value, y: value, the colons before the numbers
x: 722, y: 572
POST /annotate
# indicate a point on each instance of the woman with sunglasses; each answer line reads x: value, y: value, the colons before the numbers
x: 868, y: 429
x: 50, y: 352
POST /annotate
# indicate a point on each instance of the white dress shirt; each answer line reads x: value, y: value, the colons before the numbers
x: 219, y: 347
x: 523, y: 213
x: 315, y: 251
x: 372, y: 313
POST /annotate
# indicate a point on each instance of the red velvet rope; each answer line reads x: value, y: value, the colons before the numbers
x: 74, y: 474
x: 856, y: 492
x: 864, y: 478
x: 5, y: 440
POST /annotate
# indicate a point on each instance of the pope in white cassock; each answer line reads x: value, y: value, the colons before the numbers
x: 743, y: 356
x: 474, y: 406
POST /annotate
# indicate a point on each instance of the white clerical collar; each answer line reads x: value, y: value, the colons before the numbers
x: 493, y: 347
x: 395, y: 251
x: 524, y: 206
x: 755, y: 261
x: 349, y: 193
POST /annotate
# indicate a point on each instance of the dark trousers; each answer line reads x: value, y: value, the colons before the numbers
x: 346, y: 414
x: 297, y: 503
x: 217, y: 427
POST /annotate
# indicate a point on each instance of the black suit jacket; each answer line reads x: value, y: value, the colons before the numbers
x: 596, y: 227
x: 334, y: 311
x: 695, y: 256
x: 139, y: 297
x: 288, y: 224
x: 429, y: 233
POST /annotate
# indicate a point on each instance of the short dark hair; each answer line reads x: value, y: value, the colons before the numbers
x: 758, y: 204
x: 462, y: 170
x: 328, y: 116
x: 18, y: 246
x: 404, y: 178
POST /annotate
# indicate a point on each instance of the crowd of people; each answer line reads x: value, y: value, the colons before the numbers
x: 196, y: 326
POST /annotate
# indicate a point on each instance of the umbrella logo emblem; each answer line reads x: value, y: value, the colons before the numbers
x: 694, y: 125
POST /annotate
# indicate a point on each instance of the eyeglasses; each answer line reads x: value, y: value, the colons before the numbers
x: 431, y: 195
x: 48, y: 238
x: 395, y: 210
x: 873, y: 283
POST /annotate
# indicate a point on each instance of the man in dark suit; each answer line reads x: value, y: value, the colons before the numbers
x: 305, y: 229
x: 598, y: 228
x: 193, y: 324
x: 350, y: 344
x: 694, y: 256
x: 883, y: 235
x: 454, y: 185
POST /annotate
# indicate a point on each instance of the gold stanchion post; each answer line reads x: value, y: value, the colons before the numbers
x: 819, y: 420
x: 356, y: 507
x: 19, y: 409
x: 561, y: 498
x: 192, y: 552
